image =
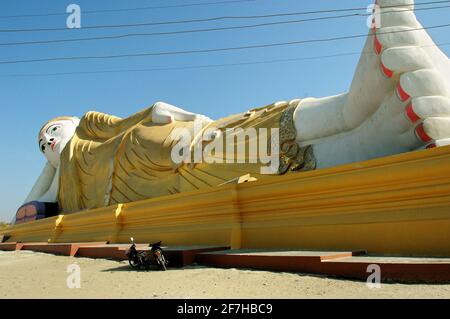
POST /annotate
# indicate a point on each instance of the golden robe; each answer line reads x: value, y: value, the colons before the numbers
x: 110, y: 160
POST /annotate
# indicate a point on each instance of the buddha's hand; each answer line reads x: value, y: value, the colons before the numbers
x: 164, y: 113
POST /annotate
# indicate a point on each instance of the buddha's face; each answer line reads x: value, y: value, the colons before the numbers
x: 54, y: 136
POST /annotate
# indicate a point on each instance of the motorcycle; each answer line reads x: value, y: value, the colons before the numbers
x: 144, y: 259
x: 158, y: 255
x: 135, y: 259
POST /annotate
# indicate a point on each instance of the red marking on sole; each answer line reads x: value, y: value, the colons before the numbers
x: 432, y: 145
x: 377, y: 45
x: 413, y: 117
x: 420, y: 131
x: 403, y: 96
x: 388, y: 73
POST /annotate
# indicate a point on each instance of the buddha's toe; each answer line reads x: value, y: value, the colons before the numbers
x: 393, y: 13
x: 394, y: 3
x: 398, y: 36
x: 431, y: 132
x: 416, y: 67
x: 424, y: 82
x: 426, y: 98
x: 404, y: 59
x: 427, y: 106
x: 395, y: 26
x: 402, y: 43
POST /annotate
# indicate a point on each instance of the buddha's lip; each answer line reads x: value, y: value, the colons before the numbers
x: 53, y: 145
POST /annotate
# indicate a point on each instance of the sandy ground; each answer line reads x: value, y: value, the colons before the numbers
x: 25, y: 274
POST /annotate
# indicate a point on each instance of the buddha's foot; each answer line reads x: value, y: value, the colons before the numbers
x: 399, y: 100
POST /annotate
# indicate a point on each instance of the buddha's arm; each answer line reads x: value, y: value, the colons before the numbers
x: 43, y: 183
x: 51, y: 195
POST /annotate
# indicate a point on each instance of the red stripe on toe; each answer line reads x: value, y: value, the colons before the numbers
x: 420, y: 131
x: 401, y: 93
x: 377, y: 45
x: 413, y: 117
x: 386, y: 71
x: 433, y: 145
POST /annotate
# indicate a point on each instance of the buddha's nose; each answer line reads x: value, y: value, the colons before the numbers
x: 50, y: 141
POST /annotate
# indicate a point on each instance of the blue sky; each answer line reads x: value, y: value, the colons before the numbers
x: 27, y: 102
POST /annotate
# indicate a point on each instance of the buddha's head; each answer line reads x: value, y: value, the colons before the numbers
x: 54, y: 136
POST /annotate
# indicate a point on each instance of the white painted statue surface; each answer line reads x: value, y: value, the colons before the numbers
x: 399, y: 101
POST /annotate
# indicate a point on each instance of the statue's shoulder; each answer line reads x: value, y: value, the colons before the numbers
x: 99, y: 125
x: 95, y: 124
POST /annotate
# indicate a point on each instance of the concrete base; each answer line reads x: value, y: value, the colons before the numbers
x: 428, y: 270
x: 178, y: 256
x: 346, y: 264
x: 341, y: 264
x: 68, y: 249
x: 277, y: 260
x: 11, y: 246
x: 114, y: 251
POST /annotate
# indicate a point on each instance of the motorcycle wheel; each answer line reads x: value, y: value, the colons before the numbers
x: 134, y: 263
x: 162, y: 262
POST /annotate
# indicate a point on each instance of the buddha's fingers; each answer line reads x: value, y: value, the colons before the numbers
x: 167, y: 113
x: 164, y: 113
x: 161, y: 115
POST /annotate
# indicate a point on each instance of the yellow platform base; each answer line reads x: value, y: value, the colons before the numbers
x: 397, y: 205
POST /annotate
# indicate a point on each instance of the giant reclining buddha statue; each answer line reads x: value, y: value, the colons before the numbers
x: 399, y: 101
